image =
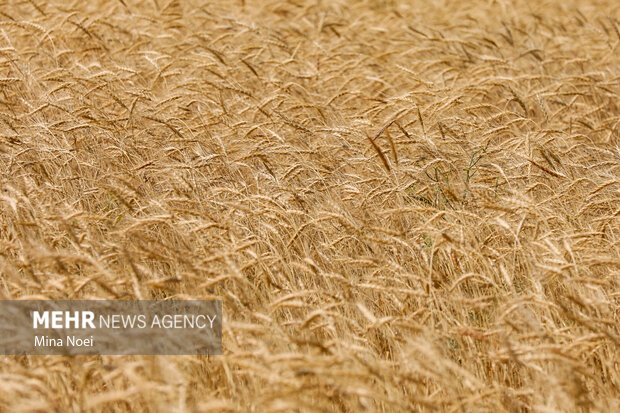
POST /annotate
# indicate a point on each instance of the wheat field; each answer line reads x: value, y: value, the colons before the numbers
x: 403, y: 205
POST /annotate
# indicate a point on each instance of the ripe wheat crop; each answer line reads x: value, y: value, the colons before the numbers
x: 403, y: 205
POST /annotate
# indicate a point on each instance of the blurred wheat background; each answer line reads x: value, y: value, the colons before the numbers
x: 404, y: 205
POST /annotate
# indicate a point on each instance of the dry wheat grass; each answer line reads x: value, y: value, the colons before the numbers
x: 402, y: 206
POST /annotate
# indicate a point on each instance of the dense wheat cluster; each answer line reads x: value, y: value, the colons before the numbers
x: 404, y: 205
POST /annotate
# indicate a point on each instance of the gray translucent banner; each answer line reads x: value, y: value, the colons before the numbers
x: 72, y: 327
